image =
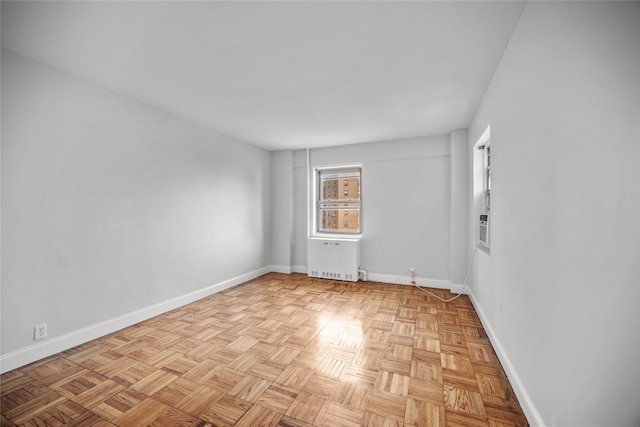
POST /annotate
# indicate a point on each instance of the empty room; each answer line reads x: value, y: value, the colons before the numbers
x: 320, y: 213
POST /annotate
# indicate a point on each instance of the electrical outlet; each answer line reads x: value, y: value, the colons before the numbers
x: 40, y: 332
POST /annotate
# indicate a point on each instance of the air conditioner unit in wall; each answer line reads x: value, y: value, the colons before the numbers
x: 484, y: 230
x: 337, y: 259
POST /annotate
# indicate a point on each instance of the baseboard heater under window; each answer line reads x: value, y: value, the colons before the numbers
x: 337, y: 259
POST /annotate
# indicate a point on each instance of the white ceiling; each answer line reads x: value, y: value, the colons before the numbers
x: 280, y: 74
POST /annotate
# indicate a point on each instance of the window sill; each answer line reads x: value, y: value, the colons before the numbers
x: 337, y: 236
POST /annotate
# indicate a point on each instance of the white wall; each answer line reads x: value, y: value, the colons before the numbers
x: 300, y: 211
x: 282, y: 211
x: 459, y: 205
x: 560, y: 289
x: 405, y: 205
x: 110, y: 206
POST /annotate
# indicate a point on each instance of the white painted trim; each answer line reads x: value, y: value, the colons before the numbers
x: 386, y: 278
x: 406, y: 280
x: 312, y: 206
x: 281, y: 269
x: 529, y: 409
x: 300, y: 269
x: 32, y: 353
x: 459, y: 289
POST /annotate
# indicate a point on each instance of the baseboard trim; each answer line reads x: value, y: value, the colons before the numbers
x: 529, y: 409
x: 300, y: 269
x: 281, y: 269
x: 406, y: 280
x: 33, y: 353
x: 459, y: 289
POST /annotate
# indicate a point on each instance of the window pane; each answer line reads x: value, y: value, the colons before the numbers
x: 340, y: 185
x: 338, y: 203
x: 341, y: 219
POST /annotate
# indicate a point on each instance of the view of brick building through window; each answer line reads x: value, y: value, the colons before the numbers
x: 339, y: 206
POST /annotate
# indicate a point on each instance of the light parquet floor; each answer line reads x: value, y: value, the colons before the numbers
x: 280, y: 350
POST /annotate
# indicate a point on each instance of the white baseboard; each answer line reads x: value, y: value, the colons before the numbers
x: 300, y: 269
x: 406, y: 280
x: 281, y: 269
x: 529, y: 409
x: 32, y: 353
x: 459, y: 289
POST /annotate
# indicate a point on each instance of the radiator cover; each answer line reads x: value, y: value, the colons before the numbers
x: 337, y: 259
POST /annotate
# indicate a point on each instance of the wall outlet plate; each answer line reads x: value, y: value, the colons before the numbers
x: 40, y: 332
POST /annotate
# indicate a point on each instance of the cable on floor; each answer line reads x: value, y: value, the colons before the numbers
x: 463, y: 285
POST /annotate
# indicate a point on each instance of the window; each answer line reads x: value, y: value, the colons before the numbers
x: 487, y: 177
x: 330, y: 203
x: 482, y: 183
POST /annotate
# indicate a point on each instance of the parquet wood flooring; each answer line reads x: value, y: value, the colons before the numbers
x: 280, y: 350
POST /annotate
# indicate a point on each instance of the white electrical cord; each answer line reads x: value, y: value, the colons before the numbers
x: 463, y: 285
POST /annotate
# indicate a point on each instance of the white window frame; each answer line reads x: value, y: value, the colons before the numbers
x: 316, y: 202
x: 482, y: 183
x: 486, y: 187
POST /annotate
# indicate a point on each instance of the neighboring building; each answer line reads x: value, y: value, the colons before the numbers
x: 345, y: 218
